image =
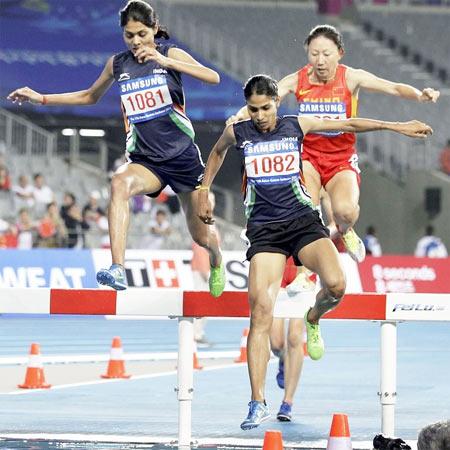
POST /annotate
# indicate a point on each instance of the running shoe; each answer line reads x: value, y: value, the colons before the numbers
x: 114, y: 277
x: 285, y: 412
x: 301, y: 283
x: 258, y: 412
x: 280, y: 374
x: 354, y: 245
x: 314, y: 343
x: 217, y: 280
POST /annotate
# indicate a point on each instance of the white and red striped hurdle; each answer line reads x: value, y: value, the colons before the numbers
x: 185, y: 305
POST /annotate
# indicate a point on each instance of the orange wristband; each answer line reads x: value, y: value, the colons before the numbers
x: 44, y: 100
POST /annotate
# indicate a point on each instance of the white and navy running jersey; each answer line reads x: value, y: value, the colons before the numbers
x: 273, y: 182
x: 153, y: 106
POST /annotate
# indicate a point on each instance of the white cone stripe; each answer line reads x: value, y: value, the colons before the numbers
x: 244, y: 341
x: 116, y: 353
x: 339, y: 443
x: 35, y: 361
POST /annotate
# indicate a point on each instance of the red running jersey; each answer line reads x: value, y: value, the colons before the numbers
x: 327, y: 101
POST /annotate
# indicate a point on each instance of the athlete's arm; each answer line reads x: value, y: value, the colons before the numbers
x: 179, y: 60
x: 286, y: 86
x: 357, y: 78
x: 413, y: 128
x: 214, y: 163
x: 86, y: 97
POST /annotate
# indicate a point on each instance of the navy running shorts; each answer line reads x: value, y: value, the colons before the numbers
x: 182, y: 173
x: 287, y: 237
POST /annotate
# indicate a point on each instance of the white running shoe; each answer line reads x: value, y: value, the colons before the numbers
x: 302, y: 283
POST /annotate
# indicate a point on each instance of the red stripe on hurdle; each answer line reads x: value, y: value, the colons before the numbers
x: 229, y: 304
x: 83, y: 301
x: 360, y: 306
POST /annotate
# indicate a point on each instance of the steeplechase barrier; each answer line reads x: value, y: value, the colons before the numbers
x: 388, y: 309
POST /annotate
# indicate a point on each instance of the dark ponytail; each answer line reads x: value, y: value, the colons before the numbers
x: 141, y: 11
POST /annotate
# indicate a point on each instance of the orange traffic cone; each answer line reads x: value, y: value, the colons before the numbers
x: 305, y: 344
x: 339, y: 433
x: 273, y: 440
x: 243, y: 355
x: 196, y: 363
x: 116, y: 365
x: 34, y: 377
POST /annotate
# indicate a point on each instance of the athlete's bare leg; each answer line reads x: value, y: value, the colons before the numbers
x: 201, y: 233
x: 266, y: 272
x: 312, y: 181
x: 343, y: 190
x: 129, y: 180
x: 322, y: 258
x: 293, y: 362
x: 277, y: 338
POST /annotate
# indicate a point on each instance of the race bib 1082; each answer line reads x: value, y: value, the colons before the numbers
x: 272, y: 162
x: 145, y: 98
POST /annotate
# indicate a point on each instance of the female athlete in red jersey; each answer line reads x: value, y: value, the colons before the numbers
x: 325, y: 88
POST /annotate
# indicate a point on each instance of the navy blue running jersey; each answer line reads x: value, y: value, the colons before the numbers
x: 274, y: 190
x: 153, y: 106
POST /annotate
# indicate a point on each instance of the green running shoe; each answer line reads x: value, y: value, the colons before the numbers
x: 217, y: 280
x: 354, y: 245
x: 314, y: 342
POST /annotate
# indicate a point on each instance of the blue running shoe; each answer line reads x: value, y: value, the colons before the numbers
x: 258, y: 412
x: 280, y: 374
x: 114, y: 277
x: 285, y: 412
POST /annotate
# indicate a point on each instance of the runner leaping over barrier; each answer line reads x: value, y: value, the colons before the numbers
x: 185, y: 305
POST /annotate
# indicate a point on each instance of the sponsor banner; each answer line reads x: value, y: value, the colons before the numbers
x: 405, y: 274
x: 418, y: 307
x: 170, y: 269
x: 47, y: 268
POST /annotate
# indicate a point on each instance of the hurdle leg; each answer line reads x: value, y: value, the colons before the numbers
x: 185, y: 387
x: 388, y: 388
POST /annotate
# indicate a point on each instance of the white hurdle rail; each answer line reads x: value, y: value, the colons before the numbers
x: 388, y: 309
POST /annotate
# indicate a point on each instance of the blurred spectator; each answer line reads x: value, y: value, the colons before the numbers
x: 52, y: 231
x: 159, y: 230
x: 26, y: 230
x: 43, y: 195
x: 430, y: 246
x: 371, y: 243
x: 444, y: 158
x: 435, y: 436
x: 8, y: 235
x: 92, y: 212
x: 102, y: 225
x: 141, y: 203
x: 23, y: 194
x: 5, y: 179
x: 71, y: 214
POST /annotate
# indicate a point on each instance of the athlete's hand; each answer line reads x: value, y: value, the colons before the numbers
x: 204, y: 208
x: 429, y: 95
x: 415, y: 129
x: 145, y: 54
x: 26, y: 94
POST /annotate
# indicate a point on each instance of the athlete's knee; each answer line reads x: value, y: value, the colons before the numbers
x: 346, y: 212
x: 294, y: 340
x: 120, y: 186
x: 261, y: 314
x: 335, y: 285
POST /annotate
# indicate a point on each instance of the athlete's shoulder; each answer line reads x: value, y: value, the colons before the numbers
x: 164, y: 47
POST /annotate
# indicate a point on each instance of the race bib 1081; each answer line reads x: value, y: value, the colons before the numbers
x: 322, y: 110
x: 272, y: 162
x: 145, y: 98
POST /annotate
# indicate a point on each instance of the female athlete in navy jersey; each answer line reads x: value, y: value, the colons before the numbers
x: 160, y: 145
x: 281, y: 219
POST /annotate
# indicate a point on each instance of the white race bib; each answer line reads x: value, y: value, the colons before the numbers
x: 145, y: 98
x: 272, y: 162
x: 322, y: 110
